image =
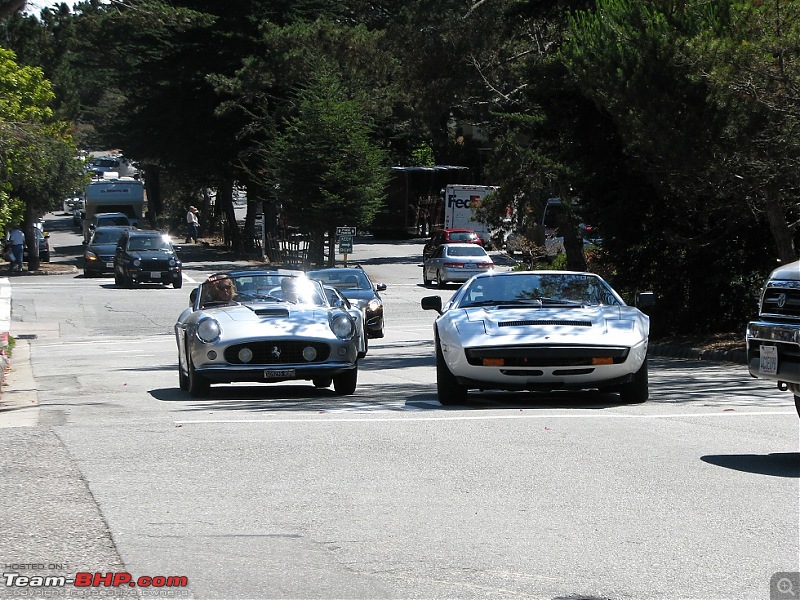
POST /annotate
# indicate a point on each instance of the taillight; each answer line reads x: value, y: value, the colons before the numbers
x: 454, y: 265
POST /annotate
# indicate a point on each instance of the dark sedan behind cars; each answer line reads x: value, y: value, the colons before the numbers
x: 98, y: 256
x: 356, y: 286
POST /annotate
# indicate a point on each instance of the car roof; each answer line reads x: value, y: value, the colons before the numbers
x: 111, y: 214
x: 460, y: 245
x: 250, y: 272
x: 119, y: 228
x: 458, y: 230
x: 143, y: 232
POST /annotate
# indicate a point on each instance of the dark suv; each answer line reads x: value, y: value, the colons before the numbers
x: 146, y: 257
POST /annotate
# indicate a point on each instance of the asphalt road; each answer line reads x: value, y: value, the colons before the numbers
x: 285, y: 491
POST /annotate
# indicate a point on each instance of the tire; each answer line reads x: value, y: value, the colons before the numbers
x: 322, y: 382
x: 797, y: 404
x: 425, y: 280
x: 450, y: 392
x: 183, y: 380
x: 439, y: 281
x: 637, y: 390
x: 117, y: 279
x: 177, y: 283
x: 198, y: 385
x: 345, y: 384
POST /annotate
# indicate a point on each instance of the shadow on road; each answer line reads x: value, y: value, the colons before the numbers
x: 781, y: 464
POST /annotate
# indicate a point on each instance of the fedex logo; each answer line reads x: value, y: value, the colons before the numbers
x: 454, y: 201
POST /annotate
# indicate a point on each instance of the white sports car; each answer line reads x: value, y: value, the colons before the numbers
x: 540, y: 330
x: 267, y: 326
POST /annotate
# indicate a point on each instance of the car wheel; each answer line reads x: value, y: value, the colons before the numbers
x: 425, y: 280
x: 450, y: 391
x: 636, y: 391
x: 198, y: 385
x: 86, y: 273
x: 439, y: 279
x: 117, y: 279
x: 177, y: 283
x: 322, y: 382
x: 345, y: 384
x: 797, y: 404
x: 127, y: 282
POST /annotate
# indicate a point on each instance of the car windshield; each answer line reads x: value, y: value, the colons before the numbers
x: 273, y: 288
x: 155, y: 243
x: 105, y: 237
x: 342, y: 279
x: 465, y: 251
x: 116, y: 220
x: 538, y: 289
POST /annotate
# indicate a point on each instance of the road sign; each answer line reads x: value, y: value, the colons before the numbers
x: 346, y: 231
x: 345, y: 244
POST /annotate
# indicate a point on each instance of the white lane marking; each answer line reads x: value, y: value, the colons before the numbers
x: 482, y: 418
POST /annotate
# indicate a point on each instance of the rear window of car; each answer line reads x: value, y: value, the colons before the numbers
x: 106, y: 237
x: 115, y: 220
x: 466, y: 251
x: 463, y: 236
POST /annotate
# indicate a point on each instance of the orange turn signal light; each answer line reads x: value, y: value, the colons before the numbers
x: 602, y: 360
x: 493, y: 362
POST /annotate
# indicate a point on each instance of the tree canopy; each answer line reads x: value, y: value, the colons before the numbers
x: 669, y: 127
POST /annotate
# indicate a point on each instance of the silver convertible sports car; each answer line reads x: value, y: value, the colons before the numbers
x: 540, y: 330
x: 267, y: 326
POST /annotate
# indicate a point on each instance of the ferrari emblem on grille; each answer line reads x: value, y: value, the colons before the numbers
x: 781, y: 300
x: 276, y: 352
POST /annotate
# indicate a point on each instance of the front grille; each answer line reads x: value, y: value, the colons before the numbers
x: 154, y: 264
x: 546, y: 356
x: 545, y: 322
x: 277, y: 353
x: 781, y: 302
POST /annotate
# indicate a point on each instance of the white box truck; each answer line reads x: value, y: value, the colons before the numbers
x: 123, y: 195
x: 460, y: 203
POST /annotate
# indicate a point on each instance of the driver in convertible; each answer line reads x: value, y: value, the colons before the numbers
x: 220, y: 289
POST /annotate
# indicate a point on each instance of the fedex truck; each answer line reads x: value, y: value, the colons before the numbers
x: 460, y: 203
x: 123, y: 195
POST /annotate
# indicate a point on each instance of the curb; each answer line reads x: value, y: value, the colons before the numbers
x: 669, y: 351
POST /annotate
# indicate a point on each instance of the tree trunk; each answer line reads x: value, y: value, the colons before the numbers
x: 30, y: 238
x: 152, y: 186
x: 780, y: 229
x: 573, y: 244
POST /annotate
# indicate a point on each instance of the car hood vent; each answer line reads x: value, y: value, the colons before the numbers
x: 568, y: 323
x: 272, y: 312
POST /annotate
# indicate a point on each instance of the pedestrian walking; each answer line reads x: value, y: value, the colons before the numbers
x: 16, y: 241
x: 192, y: 224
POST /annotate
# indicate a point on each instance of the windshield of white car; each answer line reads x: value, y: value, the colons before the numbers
x: 557, y: 289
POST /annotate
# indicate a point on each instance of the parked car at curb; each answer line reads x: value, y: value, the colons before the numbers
x: 43, y: 240
x: 98, y: 255
x: 145, y: 256
x: 455, y: 263
x: 773, y: 339
x: 450, y: 236
x: 540, y: 330
x: 266, y: 327
x: 358, y: 288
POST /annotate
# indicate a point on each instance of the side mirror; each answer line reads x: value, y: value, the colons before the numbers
x: 380, y: 287
x: 645, y: 299
x: 432, y: 303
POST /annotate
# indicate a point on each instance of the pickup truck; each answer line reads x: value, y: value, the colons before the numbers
x: 773, y: 339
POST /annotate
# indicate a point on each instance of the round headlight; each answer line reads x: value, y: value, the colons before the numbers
x: 309, y: 353
x: 342, y: 326
x: 245, y: 355
x: 171, y: 262
x: 208, y: 330
x: 373, y: 305
x: 90, y: 255
x: 136, y: 262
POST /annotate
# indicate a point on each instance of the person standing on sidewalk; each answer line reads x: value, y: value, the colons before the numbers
x: 193, y: 225
x: 16, y: 240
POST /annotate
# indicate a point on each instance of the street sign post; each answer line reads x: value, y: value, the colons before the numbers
x: 345, y: 235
